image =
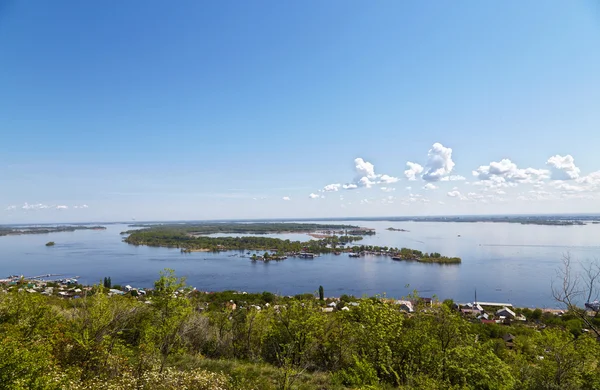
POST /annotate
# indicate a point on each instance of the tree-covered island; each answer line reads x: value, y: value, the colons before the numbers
x: 433, y: 257
x: 19, y: 230
x: 194, y: 238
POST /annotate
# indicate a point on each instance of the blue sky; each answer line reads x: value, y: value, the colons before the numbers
x: 139, y: 109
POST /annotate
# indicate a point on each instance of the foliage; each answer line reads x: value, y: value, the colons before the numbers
x: 230, y: 340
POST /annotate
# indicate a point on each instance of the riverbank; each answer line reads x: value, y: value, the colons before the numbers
x: 23, y: 230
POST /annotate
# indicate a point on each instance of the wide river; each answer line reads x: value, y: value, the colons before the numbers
x: 503, y: 262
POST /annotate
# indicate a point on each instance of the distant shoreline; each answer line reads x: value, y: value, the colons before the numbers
x: 45, y: 230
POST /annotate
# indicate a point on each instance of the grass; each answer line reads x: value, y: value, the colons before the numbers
x: 258, y: 376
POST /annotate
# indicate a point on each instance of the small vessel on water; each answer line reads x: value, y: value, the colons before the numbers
x: 354, y: 255
x: 307, y: 255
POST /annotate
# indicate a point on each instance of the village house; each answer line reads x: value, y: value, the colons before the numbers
x: 506, y: 313
x: 406, y: 306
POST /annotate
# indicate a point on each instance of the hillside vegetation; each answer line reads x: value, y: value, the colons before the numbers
x: 176, y: 338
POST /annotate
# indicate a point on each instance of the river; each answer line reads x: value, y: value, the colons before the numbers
x: 503, y: 262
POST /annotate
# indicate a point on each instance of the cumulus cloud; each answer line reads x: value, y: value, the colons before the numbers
x: 386, y: 179
x: 569, y: 187
x: 413, y: 170
x: 62, y: 207
x: 429, y: 186
x: 456, y: 194
x: 364, y: 177
x: 497, y: 174
x: 591, y: 181
x: 10, y: 208
x: 439, y: 163
x: 365, y: 182
x: 563, y: 167
x: 453, y: 178
x: 286, y: 198
x: 85, y: 206
x: 38, y: 206
x: 313, y: 196
x: 332, y: 187
x: 364, y: 169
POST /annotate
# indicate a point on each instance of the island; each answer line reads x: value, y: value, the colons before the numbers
x: 195, y: 238
x: 391, y: 229
x: 20, y: 230
x: 434, y: 257
x: 50, y: 243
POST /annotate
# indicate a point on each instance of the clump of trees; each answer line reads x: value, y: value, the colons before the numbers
x: 184, y: 338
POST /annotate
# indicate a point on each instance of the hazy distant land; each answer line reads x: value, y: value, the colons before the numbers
x: 17, y: 231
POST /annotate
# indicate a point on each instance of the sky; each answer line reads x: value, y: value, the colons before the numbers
x: 153, y: 110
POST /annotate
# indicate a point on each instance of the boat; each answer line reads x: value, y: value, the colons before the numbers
x: 307, y: 255
x: 354, y: 255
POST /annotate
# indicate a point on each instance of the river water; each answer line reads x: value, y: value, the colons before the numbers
x: 503, y: 262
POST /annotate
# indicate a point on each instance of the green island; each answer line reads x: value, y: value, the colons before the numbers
x: 391, y: 229
x: 62, y: 335
x: 192, y: 238
x: 254, y: 228
x: 434, y: 257
x: 19, y: 230
x: 50, y: 243
x: 195, y: 239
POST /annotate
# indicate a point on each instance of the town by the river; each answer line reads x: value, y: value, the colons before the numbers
x: 504, y: 262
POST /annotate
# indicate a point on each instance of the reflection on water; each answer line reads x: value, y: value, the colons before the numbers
x: 504, y: 262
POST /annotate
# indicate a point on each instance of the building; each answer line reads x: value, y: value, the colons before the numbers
x: 506, y: 312
x: 407, y: 306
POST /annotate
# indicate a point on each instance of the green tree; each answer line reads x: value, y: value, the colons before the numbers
x: 321, y: 293
x: 171, y: 309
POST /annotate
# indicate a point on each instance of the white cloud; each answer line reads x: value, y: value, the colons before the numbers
x: 387, y: 189
x: 456, y: 194
x: 365, y: 182
x: 429, y: 186
x: 409, y: 188
x: 440, y: 202
x: 365, y: 201
x: 286, y: 198
x: 592, y: 180
x: 62, y: 207
x: 10, y: 208
x: 85, y: 206
x: 386, y: 179
x: 453, y: 178
x: 439, y: 163
x: 313, y: 196
x: 563, y: 167
x: 567, y: 187
x: 37, y: 206
x: 364, y: 177
x: 505, y: 171
x: 413, y: 170
x: 332, y: 187
x: 364, y: 169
